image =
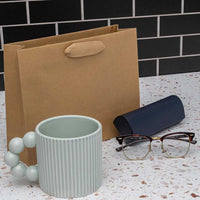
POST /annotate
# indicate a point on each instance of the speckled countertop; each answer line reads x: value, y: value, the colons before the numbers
x: 156, y: 177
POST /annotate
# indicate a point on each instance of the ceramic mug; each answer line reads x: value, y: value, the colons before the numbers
x: 69, y: 155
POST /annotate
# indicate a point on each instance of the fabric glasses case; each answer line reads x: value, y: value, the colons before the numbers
x: 151, y: 118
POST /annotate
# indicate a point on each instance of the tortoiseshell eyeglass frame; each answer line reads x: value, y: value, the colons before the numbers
x: 179, y: 136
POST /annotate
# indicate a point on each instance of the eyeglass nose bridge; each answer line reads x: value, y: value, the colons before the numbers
x: 159, y: 138
x: 155, y: 138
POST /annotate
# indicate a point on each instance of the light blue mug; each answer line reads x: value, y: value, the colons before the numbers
x: 69, y: 155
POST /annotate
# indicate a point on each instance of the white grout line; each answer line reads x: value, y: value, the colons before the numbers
x: 156, y: 37
x: 2, y: 40
x: 56, y: 28
x: 162, y: 15
x: 15, y: 25
x: 11, y: 2
x: 133, y: 8
x: 146, y: 16
x: 20, y: 1
x: 27, y: 12
x: 161, y: 58
x: 157, y: 67
x: 60, y: 22
x: 108, y: 22
x: 100, y: 19
x: 158, y: 26
x: 170, y: 36
x: 182, y: 6
x: 1, y: 72
x: 181, y: 45
x: 82, y: 10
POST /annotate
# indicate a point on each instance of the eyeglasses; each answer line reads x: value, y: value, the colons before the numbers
x: 174, y: 145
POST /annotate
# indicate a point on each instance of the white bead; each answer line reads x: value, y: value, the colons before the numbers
x: 16, y: 145
x: 11, y: 159
x: 29, y: 139
x: 32, y: 173
x: 19, y: 171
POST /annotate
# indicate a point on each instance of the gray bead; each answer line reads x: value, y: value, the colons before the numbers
x: 29, y: 139
x: 32, y: 173
x: 16, y: 145
x: 11, y: 159
x: 19, y: 171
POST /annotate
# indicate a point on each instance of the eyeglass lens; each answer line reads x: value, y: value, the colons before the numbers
x: 136, y: 147
x: 176, y: 145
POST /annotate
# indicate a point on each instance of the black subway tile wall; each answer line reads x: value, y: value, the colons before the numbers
x: 154, y: 48
x: 1, y: 62
x: 13, y: 13
x: 191, y: 6
x: 19, y: 33
x: 79, y: 26
x: 147, y: 68
x: 107, y: 8
x: 2, y: 82
x: 179, y: 65
x: 54, y: 10
x: 168, y: 31
x: 0, y: 42
x: 179, y: 24
x: 146, y: 27
x: 155, y: 7
x: 191, y: 44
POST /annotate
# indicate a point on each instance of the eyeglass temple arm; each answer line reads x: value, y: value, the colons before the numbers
x: 129, y: 144
x: 192, y: 141
x: 179, y: 138
x: 120, y: 138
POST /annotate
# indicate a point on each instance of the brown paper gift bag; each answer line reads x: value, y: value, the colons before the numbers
x: 92, y: 73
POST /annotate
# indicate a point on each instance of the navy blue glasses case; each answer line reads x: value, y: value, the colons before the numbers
x: 152, y: 118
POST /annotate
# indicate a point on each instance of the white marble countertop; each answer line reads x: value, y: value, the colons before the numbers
x: 156, y: 177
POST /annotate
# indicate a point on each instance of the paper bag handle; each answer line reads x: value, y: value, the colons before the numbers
x: 11, y: 158
x: 82, y: 49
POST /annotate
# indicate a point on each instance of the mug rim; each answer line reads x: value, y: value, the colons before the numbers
x: 67, y: 116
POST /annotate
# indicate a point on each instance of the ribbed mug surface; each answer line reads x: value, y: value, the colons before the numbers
x: 70, y: 167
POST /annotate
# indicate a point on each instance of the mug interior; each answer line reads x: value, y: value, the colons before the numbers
x: 68, y: 126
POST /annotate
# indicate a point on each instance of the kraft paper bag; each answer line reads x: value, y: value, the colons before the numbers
x: 92, y: 72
